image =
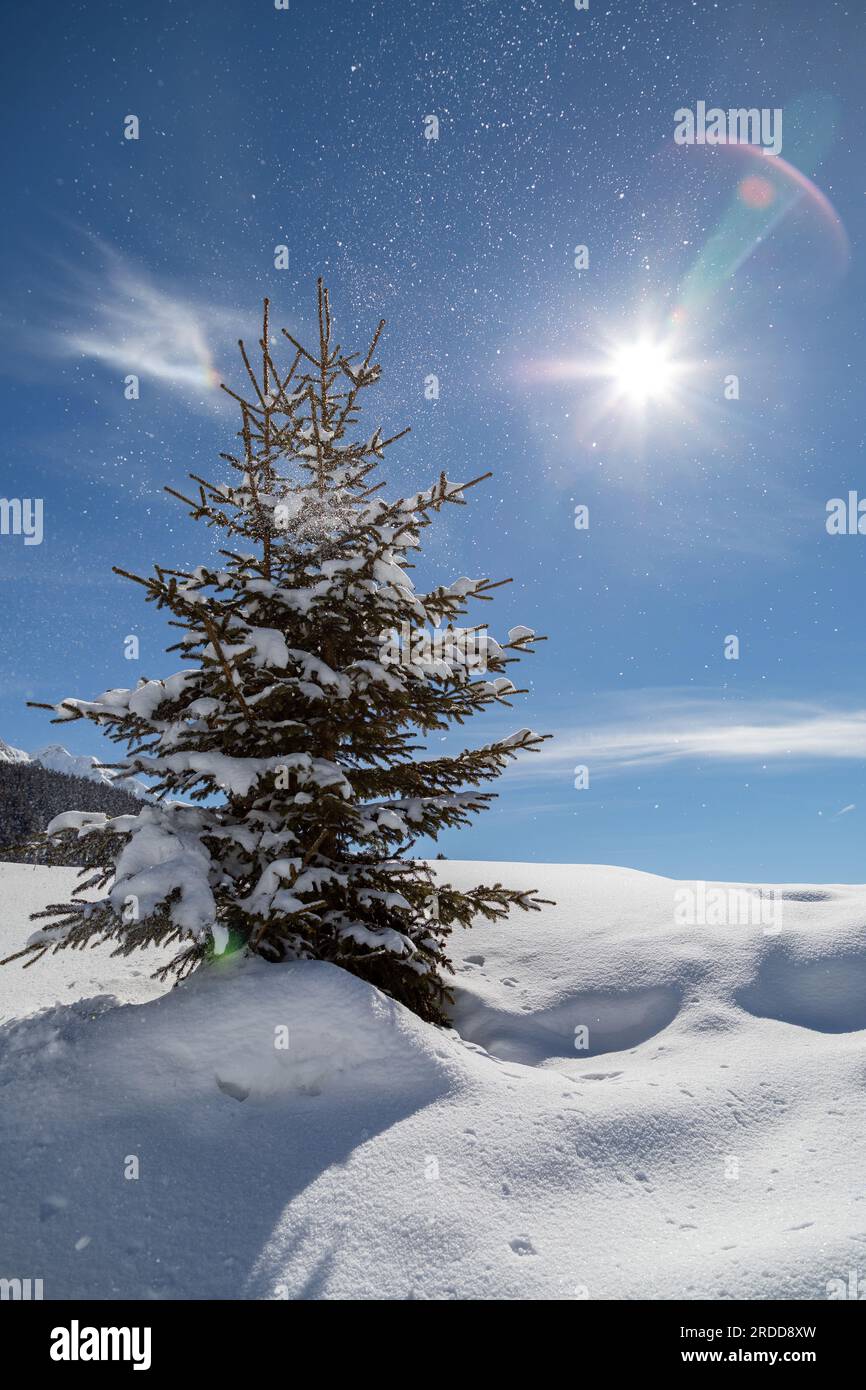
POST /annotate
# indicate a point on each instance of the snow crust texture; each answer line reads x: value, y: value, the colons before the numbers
x: 628, y: 1108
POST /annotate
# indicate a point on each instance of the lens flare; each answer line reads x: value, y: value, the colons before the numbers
x: 763, y: 197
x: 756, y: 192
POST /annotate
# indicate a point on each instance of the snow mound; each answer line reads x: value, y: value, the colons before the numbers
x: 629, y: 1107
x: 262, y: 1032
x: 638, y: 971
x: 243, y: 1029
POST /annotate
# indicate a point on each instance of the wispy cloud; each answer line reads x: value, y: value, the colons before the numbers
x: 657, y: 729
x: 111, y: 311
x: 139, y: 329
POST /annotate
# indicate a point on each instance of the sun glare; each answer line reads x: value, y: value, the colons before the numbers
x: 643, y: 371
x: 641, y: 378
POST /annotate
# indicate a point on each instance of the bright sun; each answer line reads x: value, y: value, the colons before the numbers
x: 643, y: 371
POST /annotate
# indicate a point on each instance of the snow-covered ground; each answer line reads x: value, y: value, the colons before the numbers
x: 708, y: 1140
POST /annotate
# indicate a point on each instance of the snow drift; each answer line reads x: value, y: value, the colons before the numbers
x: 628, y: 1108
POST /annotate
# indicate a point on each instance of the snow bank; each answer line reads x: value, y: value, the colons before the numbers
x: 634, y: 1107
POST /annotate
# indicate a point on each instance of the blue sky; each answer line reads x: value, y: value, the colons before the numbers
x: 306, y: 127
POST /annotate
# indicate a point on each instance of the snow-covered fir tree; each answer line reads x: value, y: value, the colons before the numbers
x: 289, y: 782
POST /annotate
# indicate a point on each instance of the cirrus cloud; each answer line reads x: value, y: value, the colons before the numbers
x: 656, y: 729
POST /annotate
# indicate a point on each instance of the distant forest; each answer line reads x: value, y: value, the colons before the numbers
x: 31, y: 796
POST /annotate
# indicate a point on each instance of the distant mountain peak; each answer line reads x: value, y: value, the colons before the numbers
x: 55, y: 758
x: 8, y: 754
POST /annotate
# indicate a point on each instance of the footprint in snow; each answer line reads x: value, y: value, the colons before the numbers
x: 806, y: 895
x: 230, y: 1088
x: 522, y: 1245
